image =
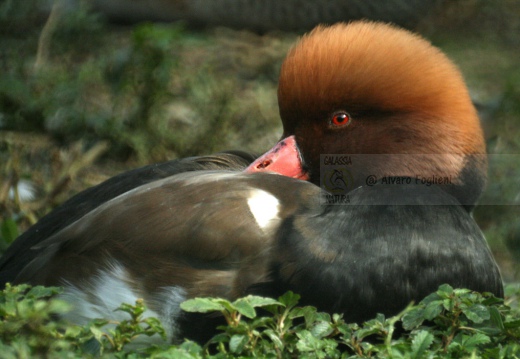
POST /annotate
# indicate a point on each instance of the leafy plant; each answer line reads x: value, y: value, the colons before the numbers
x: 29, y: 327
x: 259, y: 335
x: 465, y: 322
x: 450, y: 323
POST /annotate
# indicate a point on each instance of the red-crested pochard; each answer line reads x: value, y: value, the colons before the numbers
x: 201, y: 227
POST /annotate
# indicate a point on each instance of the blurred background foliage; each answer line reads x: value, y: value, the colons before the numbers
x: 83, y: 98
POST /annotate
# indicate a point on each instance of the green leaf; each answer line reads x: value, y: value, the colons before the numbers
x: 307, y: 341
x: 320, y: 348
x: 57, y: 306
x: 271, y: 334
x: 491, y: 299
x: 219, y: 338
x: 347, y: 329
x: 471, y: 342
x: 289, y: 299
x: 323, y: 316
x: 244, y: 307
x: 445, y: 291
x: 365, y: 332
x: 43, y: 292
x: 322, y: 329
x: 202, y: 305
x: 432, y: 310
x: 170, y: 353
x: 98, y: 333
x: 309, y: 313
x: 191, y: 347
x: 496, y: 318
x: 430, y: 298
x: 461, y: 292
x: 224, y: 303
x: 257, y: 301
x: 237, y: 343
x: 134, y: 310
x: 154, y: 327
x: 413, y: 318
x: 337, y: 317
x: 477, y: 313
x: 73, y: 331
x: 511, y: 324
x: 449, y: 304
x: 420, y: 343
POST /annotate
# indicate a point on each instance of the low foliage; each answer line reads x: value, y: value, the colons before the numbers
x: 450, y: 323
x: 154, y: 92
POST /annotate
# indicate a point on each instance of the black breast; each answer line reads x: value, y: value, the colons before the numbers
x: 389, y: 246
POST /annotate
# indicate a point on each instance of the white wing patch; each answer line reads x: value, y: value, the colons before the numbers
x: 100, y: 296
x: 169, y: 301
x: 264, y: 207
x: 103, y: 294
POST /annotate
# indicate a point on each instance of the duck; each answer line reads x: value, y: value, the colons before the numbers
x: 363, y: 206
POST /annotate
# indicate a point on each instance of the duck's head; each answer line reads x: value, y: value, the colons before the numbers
x: 367, y: 88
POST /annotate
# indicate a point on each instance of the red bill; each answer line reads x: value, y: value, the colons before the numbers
x: 284, y: 158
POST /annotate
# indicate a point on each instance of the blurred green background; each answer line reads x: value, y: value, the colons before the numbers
x: 83, y: 98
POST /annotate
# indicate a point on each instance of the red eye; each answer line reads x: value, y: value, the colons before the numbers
x: 340, y: 119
